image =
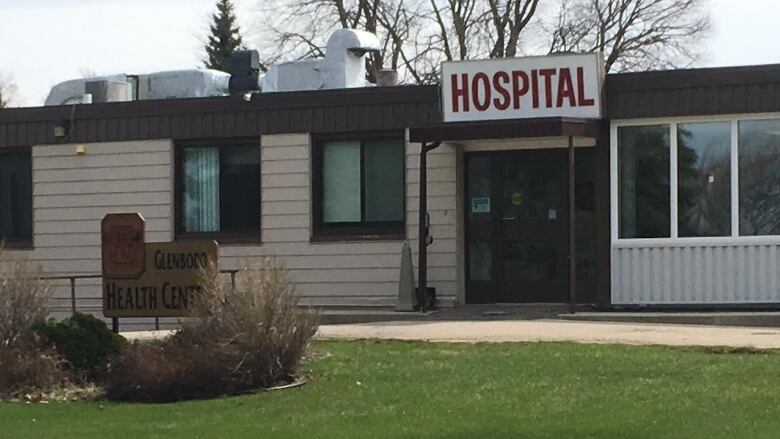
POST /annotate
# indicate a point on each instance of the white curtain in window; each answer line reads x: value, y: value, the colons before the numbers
x: 201, y: 189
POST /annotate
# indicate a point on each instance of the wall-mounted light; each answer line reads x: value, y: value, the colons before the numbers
x: 81, y: 149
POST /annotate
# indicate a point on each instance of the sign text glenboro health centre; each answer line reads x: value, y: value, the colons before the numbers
x: 519, y: 88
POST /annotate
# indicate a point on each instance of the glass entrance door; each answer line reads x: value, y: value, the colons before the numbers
x: 533, y: 227
x: 517, y: 225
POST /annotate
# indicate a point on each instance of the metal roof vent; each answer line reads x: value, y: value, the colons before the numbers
x: 244, y: 71
x: 342, y: 67
x: 108, y: 91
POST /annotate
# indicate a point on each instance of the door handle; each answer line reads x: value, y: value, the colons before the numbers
x: 509, y: 218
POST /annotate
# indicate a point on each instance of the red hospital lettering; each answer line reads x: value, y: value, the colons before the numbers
x: 499, y: 79
x: 565, y: 88
x: 535, y: 88
x: 518, y: 90
x: 485, y: 103
x: 583, y: 101
x: 462, y: 92
x: 547, y: 74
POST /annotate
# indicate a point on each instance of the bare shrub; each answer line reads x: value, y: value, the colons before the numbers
x: 24, y: 299
x: 248, y: 337
x: 160, y: 371
x: 26, y: 369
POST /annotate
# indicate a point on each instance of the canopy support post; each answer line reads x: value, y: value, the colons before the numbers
x: 424, y: 238
x: 572, y: 231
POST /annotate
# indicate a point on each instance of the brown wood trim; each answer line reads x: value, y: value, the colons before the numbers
x: 17, y: 244
x: 216, y: 104
x: 673, y: 93
x: 700, y: 77
x: 602, y: 216
x: 504, y: 129
x: 223, y: 237
x: 357, y: 238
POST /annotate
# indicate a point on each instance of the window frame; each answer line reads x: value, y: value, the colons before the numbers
x: 25, y: 243
x: 734, y: 238
x: 385, y: 231
x: 221, y: 237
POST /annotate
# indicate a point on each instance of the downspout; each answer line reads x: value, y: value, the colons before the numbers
x: 424, y: 239
x: 572, y: 231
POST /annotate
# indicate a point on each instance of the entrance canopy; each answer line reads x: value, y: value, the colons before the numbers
x: 432, y: 136
x: 505, y: 129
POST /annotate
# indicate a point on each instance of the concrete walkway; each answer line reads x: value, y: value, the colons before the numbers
x: 540, y: 331
x: 557, y: 330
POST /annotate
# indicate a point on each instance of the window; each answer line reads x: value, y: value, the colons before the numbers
x: 759, y: 177
x: 643, y: 178
x: 219, y: 192
x: 359, y: 187
x: 16, y: 198
x: 724, y: 179
x: 704, y: 179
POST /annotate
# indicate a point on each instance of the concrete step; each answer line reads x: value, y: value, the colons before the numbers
x: 724, y: 318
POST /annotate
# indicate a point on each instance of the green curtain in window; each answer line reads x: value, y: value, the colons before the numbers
x: 201, y: 189
x: 341, y: 182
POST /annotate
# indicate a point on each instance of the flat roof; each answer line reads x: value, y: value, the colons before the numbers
x: 669, y: 93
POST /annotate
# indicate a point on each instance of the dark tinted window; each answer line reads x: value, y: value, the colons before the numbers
x: 759, y: 177
x: 221, y: 189
x: 643, y: 181
x: 704, y: 179
x: 15, y: 197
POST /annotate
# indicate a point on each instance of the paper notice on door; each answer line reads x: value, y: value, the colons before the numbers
x: 552, y: 214
x: 480, y: 205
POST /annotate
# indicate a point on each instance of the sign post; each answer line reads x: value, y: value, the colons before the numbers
x: 143, y: 279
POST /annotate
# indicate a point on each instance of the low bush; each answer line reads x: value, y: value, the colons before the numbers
x: 30, y: 369
x: 24, y: 299
x: 84, y: 340
x: 161, y: 372
x: 26, y: 365
x: 243, y: 338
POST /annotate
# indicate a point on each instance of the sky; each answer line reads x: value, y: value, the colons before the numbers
x: 43, y: 42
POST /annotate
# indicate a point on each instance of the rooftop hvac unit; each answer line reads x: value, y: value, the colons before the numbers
x: 108, y: 91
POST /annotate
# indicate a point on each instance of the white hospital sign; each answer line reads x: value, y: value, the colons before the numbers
x: 521, y: 88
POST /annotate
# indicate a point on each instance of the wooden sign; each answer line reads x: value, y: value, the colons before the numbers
x: 169, y: 281
x: 123, y: 238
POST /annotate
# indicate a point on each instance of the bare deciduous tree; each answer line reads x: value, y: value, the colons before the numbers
x: 88, y: 72
x: 8, y: 90
x: 632, y: 34
x: 416, y: 35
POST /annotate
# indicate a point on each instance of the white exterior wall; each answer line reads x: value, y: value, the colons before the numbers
x: 72, y: 193
x: 728, y: 272
x: 692, y: 271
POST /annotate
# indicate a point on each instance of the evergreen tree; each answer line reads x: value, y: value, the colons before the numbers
x: 225, y: 37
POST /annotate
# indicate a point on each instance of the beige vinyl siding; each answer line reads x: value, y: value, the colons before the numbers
x: 359, y: 273
x: 72, y: 193
x: 445, y: 272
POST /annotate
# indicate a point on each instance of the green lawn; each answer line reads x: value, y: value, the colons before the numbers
x: 409, y: 390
